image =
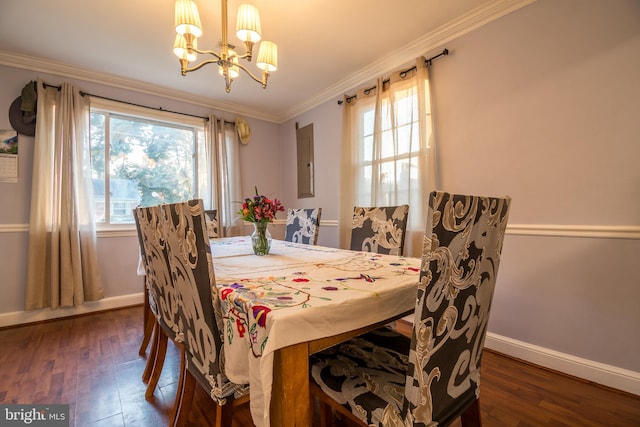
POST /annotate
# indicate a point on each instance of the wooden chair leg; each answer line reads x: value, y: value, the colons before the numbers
x: 148, y: 321
x: 471, y: 416
x: 152, y: 352
x: 325, y: 414
x: 185, y: 399
x: 224, y: 415
x: 180, y: 387
x: 158, y: 364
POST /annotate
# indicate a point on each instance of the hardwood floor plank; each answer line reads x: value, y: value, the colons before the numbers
x: 91, y: 362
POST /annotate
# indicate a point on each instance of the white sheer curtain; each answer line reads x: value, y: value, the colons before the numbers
x: 224, y: 163
x: 62, y: 265
x: 388, y: 151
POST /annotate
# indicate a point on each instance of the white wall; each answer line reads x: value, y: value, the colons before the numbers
x: 542, y: 105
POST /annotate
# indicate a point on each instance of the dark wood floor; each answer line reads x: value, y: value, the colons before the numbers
x: 92, y: 363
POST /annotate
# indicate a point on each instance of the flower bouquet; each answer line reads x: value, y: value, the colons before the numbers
x: 260, y: 210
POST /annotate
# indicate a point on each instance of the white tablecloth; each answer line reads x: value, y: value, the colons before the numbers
x: 299, y: 293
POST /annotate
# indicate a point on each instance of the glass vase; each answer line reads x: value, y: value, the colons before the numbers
x: 261, y: 238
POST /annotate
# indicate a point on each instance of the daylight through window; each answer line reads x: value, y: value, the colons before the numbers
x: 139, y: 160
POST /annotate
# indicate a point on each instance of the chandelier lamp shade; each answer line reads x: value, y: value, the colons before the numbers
x: 189, y: 28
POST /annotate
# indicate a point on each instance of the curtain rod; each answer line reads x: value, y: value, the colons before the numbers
x: 134, y: 104
x: 403, y: 73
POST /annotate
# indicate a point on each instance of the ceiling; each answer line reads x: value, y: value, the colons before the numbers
x: 325, y: 47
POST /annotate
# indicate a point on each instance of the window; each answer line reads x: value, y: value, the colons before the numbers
x: 389, y: 151
x: 141, y: 157
x: 387, y: 167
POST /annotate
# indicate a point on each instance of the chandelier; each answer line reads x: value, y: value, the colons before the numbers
x: 189, y: 28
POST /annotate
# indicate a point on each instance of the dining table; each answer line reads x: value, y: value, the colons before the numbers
x: 296, y: 300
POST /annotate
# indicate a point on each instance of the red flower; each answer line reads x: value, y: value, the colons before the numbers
x: 225, y: 292
x: 260, y: 314
x: 240, y: 327
x: 260, y: 208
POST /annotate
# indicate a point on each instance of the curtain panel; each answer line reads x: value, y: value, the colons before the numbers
x: 62, y: 263
x: 224, y: 165
x: 388, y: 151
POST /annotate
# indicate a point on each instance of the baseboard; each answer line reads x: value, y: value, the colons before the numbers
x: 600, y: 373
x: 24, y: 317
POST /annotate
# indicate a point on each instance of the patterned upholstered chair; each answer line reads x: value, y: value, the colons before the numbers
x: 303, y: 225
x: 163, y: 299
x: 211, y: 218
x: 382, y: 377
x: 192, y: 272
x: 379, y: 229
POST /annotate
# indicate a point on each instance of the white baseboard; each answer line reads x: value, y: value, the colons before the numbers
x: 600, y: 373
x: 24, y: 317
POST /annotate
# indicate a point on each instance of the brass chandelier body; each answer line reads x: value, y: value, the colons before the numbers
x: 189, y: 28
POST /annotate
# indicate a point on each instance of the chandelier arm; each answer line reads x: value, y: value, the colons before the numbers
x: 262, y: 81
x: 202, y: 64
x: 206, y: 52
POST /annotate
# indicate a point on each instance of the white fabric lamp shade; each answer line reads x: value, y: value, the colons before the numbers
x: 248, y: 23
x: 267, y: 56
x: 180, y: 49
x: 187, y: 19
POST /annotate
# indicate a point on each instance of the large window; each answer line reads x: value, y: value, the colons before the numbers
x: 140, y: 157
x: 387, y: 166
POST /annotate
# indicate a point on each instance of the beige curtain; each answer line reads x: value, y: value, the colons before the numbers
x: 388, y: 151
x: 62, y: 267
x: 224, y: 163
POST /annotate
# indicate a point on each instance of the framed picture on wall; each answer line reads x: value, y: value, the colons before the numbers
x: 8, y: 156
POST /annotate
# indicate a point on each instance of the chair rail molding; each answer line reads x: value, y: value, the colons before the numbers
x: 546, y: 230
x: 590, y: 231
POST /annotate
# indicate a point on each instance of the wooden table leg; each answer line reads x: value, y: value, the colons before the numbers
x: 290, y: 398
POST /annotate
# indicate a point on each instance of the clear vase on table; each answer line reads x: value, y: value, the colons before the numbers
x: 261, y: 238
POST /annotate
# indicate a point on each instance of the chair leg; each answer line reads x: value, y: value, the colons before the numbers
x: 471, y: 416
x: 224, y: 415
x: 148, y: 320
x: 325, y: 414
x: 185, y: 399
x: 180, y: 387
x: 158, y: 363
x: 152, y: 352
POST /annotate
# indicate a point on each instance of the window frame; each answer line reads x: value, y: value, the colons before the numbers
x: 118, y: 109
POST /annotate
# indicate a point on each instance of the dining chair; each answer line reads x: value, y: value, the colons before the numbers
x: 384, y: 378
x: 211, y: 219
x: 303, y: 225
x: 379, y: 229
x: 162, y: 295
x: 201, y: 315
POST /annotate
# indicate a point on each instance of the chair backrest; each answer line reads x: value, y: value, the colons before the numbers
x: 379, y: 229
x: 211, y: 219
x: 163, y: 299
x: 192, y: 271
x: 461, y: 255
x: 303, y: 225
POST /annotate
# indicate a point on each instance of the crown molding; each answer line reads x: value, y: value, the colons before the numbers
x: 429, y: 42
x: 47, y: 66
